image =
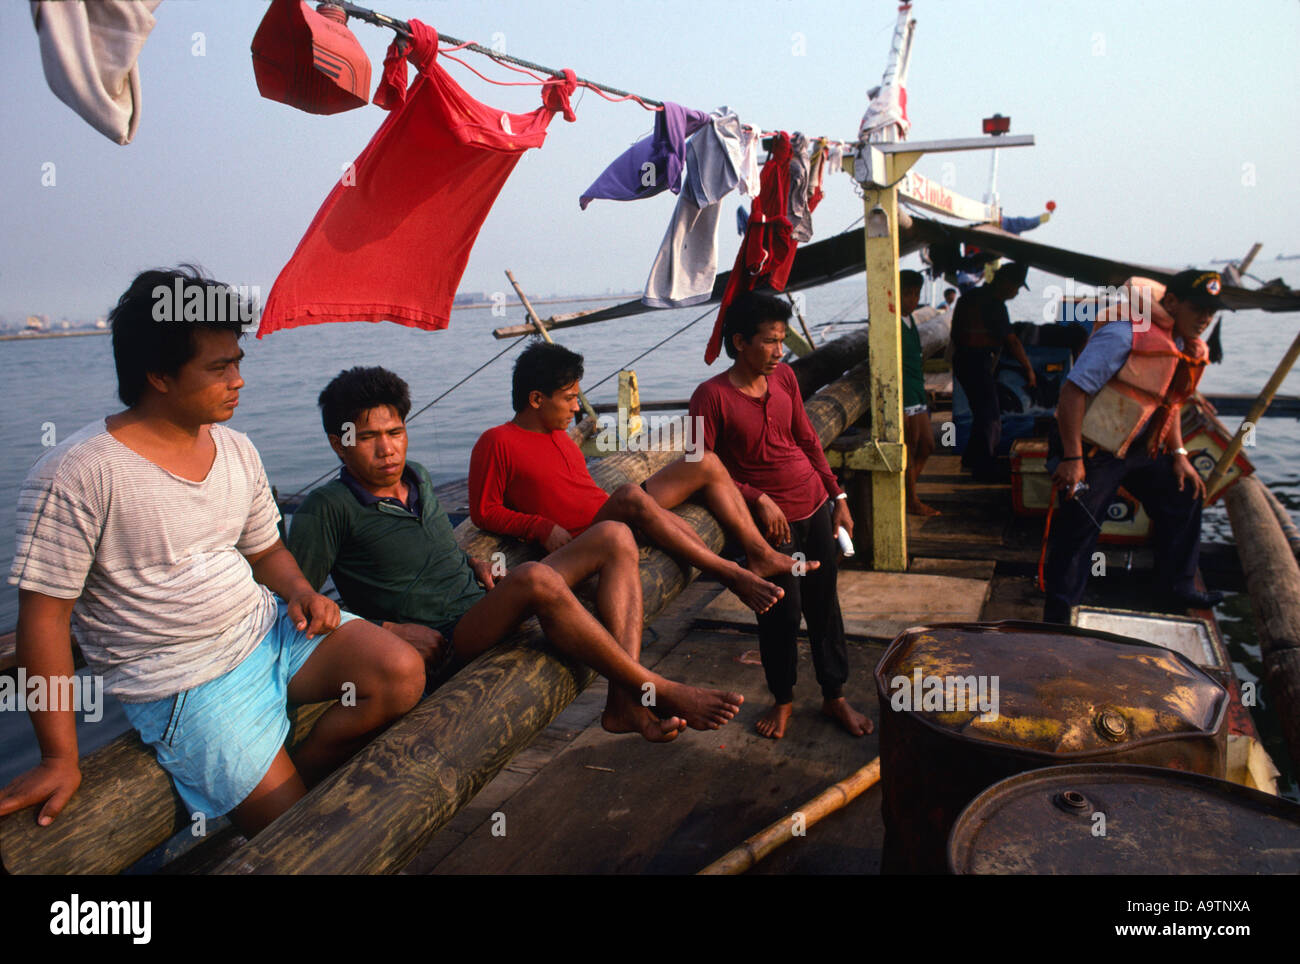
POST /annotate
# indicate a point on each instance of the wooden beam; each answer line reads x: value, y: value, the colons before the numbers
x: 554, y: 321
x: 1273, y: 581
x: 889, y: 516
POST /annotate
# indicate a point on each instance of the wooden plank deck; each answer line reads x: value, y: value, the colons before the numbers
x: 579, y: 800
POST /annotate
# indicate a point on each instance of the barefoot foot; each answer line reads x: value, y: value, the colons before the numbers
x: 855, y: 723
x: 702, y: 709
x: 920, y: 508
x: 772, y: 723
x: 755, y: 592
x: 641, y: 720
x: 768, y: 562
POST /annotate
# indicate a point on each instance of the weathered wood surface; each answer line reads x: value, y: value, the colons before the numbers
x: 880, y: 605
x: 124, y: 808
x: 833, y: 798
x: 830, y: 361
x: 1273, y: 581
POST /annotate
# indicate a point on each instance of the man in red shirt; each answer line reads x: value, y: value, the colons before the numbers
x: 754, y: 419
x: 528, y: 479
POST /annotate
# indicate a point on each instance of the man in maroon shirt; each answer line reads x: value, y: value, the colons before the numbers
x: 755, y: 421
x: 528, y: 479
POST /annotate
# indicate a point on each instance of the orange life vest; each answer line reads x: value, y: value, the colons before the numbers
x: 1149, y: 389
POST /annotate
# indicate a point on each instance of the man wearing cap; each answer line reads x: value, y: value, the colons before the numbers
x: 981, y: 328
x: 1118, y: 424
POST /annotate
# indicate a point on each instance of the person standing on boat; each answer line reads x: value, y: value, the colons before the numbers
x: 155, y: 531
x: 380, y: 531
x: 1118, y: 424
x: 981, y: 329
x: 754, y: 419
x: 528, y: 479
x: 917, y: 432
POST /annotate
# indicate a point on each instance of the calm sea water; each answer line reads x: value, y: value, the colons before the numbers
x: 65, y: 383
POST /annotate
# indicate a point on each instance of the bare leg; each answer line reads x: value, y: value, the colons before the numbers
x: 388, y: 676
x: 608, y: 550
x: 631, y: 505
x: 920, y: 443
x: 537, y: 589
x: 279, y: 790
x: 674, y: 484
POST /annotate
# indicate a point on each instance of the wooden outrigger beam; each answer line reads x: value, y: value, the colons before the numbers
x: 126, y: 806
x: 1273, y: 581
x: 530, y: 328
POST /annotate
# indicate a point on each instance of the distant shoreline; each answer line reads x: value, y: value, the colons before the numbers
x: 31, y: 335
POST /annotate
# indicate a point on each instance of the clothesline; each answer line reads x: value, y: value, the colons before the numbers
x: 518, y: 64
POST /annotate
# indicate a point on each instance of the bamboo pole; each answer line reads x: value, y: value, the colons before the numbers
x: 541, y: 330
x: 833, y: 798
x: 802, y: 324
x: 1253, y: 416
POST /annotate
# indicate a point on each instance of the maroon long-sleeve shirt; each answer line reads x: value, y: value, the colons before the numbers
x: 767, y: 444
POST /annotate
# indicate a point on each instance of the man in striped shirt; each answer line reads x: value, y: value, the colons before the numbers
x: 154, y: 531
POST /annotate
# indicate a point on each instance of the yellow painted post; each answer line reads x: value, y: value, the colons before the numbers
x: 888, y: 485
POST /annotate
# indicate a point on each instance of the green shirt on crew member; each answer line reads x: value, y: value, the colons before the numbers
x: 913, y: 365
x: 388, y: 563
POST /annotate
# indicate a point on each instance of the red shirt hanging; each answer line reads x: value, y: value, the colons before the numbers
x: 392, y: 239
x: 768, y: 249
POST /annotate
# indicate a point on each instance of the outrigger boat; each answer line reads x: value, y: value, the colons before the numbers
x: 516, y: 733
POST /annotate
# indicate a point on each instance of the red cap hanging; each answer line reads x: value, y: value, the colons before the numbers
x: 309, y: 59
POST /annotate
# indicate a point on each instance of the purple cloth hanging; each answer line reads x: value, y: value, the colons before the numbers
x: 626, y: 177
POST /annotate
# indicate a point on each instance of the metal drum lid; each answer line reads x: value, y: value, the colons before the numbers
x: 1048, y: 689
x: 1124, y: 819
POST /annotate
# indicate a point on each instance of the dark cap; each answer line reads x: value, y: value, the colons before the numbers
x: 1013, y: 271
x: 1201, y: 288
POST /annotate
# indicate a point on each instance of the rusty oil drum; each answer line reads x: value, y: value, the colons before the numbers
x: 1121, y: 819
x: 1064, y: 695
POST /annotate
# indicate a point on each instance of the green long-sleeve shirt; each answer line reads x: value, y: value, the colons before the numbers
x: 387, y: 564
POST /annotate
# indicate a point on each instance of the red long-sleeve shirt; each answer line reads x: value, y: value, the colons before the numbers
x: 524, y: 483
x: 767, y: 444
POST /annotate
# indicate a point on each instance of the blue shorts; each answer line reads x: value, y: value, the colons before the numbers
x: 219, y: 739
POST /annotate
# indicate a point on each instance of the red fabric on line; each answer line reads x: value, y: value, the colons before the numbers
x: 392, y: 246
x: 768, y: 249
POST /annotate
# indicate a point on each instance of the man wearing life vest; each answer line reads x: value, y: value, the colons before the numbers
x: 1118, y: 424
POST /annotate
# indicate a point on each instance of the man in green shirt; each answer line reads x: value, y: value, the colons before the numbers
x: 380, y: 531
x: 917, y: 433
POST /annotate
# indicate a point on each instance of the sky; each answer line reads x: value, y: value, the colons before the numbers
x: 1166, y: 132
